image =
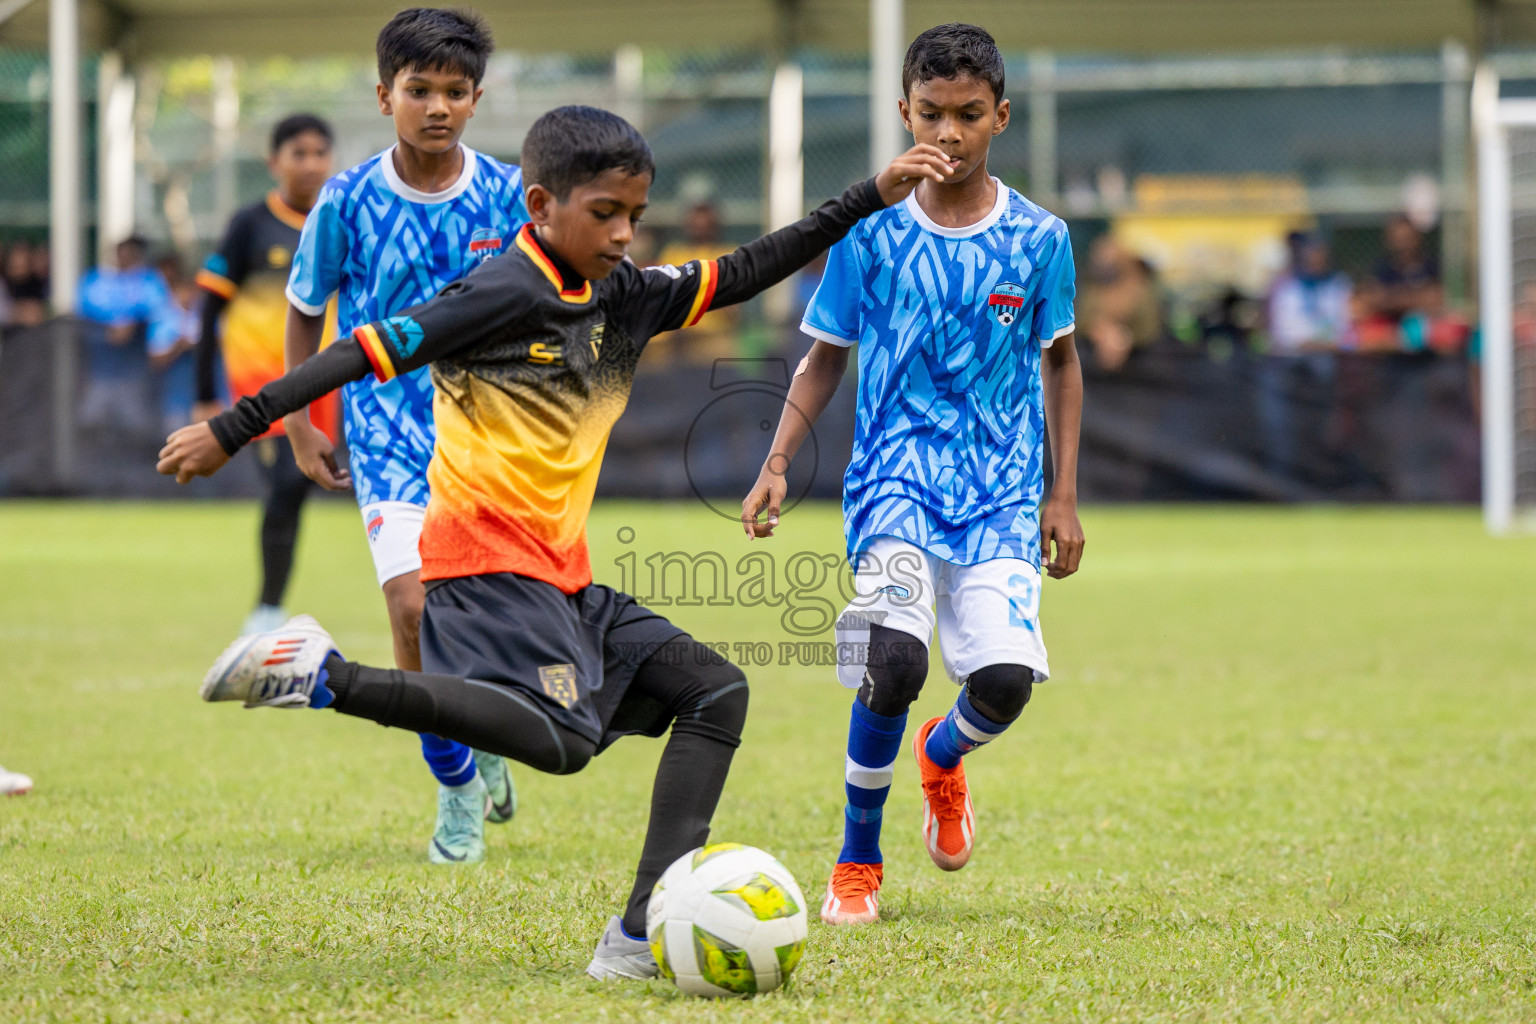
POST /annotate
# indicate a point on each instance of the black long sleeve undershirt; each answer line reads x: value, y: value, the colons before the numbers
x: 333, y: 366
x: 764, y: 262
x: 208, y: 346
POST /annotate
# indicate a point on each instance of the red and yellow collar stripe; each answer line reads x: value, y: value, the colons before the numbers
x: 530, y: 246
x: 218, y: 284
x: 376, y: 351
x: 709, y: 274
x: 283, y: 212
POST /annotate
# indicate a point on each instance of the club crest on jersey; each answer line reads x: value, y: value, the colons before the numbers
x: 1005, y: 304
x: 559, y: 682
x: 375, y: 525
x: 484, y: 243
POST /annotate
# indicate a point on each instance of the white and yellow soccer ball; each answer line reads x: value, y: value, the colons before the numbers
x: 726, y: 920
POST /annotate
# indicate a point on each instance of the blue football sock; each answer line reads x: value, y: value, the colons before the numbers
x: 962, y: 731
x: 873, y: 743
x: 452, y: 763
x: 321, y: 696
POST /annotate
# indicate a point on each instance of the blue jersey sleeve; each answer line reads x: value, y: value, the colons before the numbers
x: 1054, y: 315
x: 167, y: 329
x: 322, y: 251
x: 833, y: 315
x: 517, y: 208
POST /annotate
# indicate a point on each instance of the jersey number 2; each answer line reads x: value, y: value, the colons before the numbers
x: 1021, y: 607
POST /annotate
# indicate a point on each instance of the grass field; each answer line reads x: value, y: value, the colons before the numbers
x: 1283, y: 772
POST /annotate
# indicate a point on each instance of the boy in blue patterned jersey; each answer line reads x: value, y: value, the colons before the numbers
x: 960, y: 300
x: 388, y: 234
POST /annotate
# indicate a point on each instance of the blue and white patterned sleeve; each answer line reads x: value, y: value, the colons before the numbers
x: 1054, y: 315
x: 833, y: 315
x: 322, y: 251
x: 517, y: 207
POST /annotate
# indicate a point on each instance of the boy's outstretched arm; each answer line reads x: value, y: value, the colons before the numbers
x: 203, y: 448
x: 1063, y: 381
x: 816, y: 381
x: 764, y: 262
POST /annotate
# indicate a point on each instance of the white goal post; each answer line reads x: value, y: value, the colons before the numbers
x: 1505, y: 130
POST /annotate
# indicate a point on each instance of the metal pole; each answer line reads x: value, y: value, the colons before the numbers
x: 1454, y: 115
x: 1496, y: 294
x: 886, y: 51
x: 64, y: 234
x: 786, y: 163
x: 1042, y: 127
x: 629, y: 83
x: 226, y: 137
x: 115, y: 150
x: 64, y: 151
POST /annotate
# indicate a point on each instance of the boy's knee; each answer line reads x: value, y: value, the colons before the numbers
x: 1000, y: 692
x: 895, y: 672
x: 717, y: 701
x: 573, y: 756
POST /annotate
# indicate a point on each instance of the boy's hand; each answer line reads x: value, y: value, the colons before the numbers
x: 767, y: 494
x: 191, y: 451
x: 314, y: 453
x: 904, y: 173
x: 1058, y: 522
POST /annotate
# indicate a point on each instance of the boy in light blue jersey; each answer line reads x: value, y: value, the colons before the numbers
x: 386, y: 235
x: 960, y: 300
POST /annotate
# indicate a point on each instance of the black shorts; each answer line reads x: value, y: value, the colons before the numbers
x: 575, y: 654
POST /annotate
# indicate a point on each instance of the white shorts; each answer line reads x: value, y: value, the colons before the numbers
x: 986, y: 614
x: 394, y: 537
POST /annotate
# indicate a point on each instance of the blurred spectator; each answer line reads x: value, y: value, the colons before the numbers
x: 714, y: 336
x: 1407, y: 279
x: 1118, y: 308
x: 118, y: 305
x: 1309, y: 320
x: 1309, y: 303
x: 172, y: 337
x: 25, y: 270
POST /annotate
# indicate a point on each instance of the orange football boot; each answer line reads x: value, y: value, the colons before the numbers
x: 949, y: 821
x: 853, y: 894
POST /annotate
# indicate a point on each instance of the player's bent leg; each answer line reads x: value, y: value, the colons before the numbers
x: 992, y: 698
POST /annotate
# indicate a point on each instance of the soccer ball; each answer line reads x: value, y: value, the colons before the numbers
x: 726, y: 920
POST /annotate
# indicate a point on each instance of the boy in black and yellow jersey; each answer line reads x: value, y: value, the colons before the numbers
x: 245, y: 308
x: 532, y: 358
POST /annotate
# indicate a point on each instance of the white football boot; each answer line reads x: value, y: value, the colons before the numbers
x: 275, y: 669
x: 619, y: 956
x: 14, y: 783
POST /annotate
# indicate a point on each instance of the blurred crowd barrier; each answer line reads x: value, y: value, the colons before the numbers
x: 1173, y: 422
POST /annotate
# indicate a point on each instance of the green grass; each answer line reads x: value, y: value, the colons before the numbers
x: 1283, y: 772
